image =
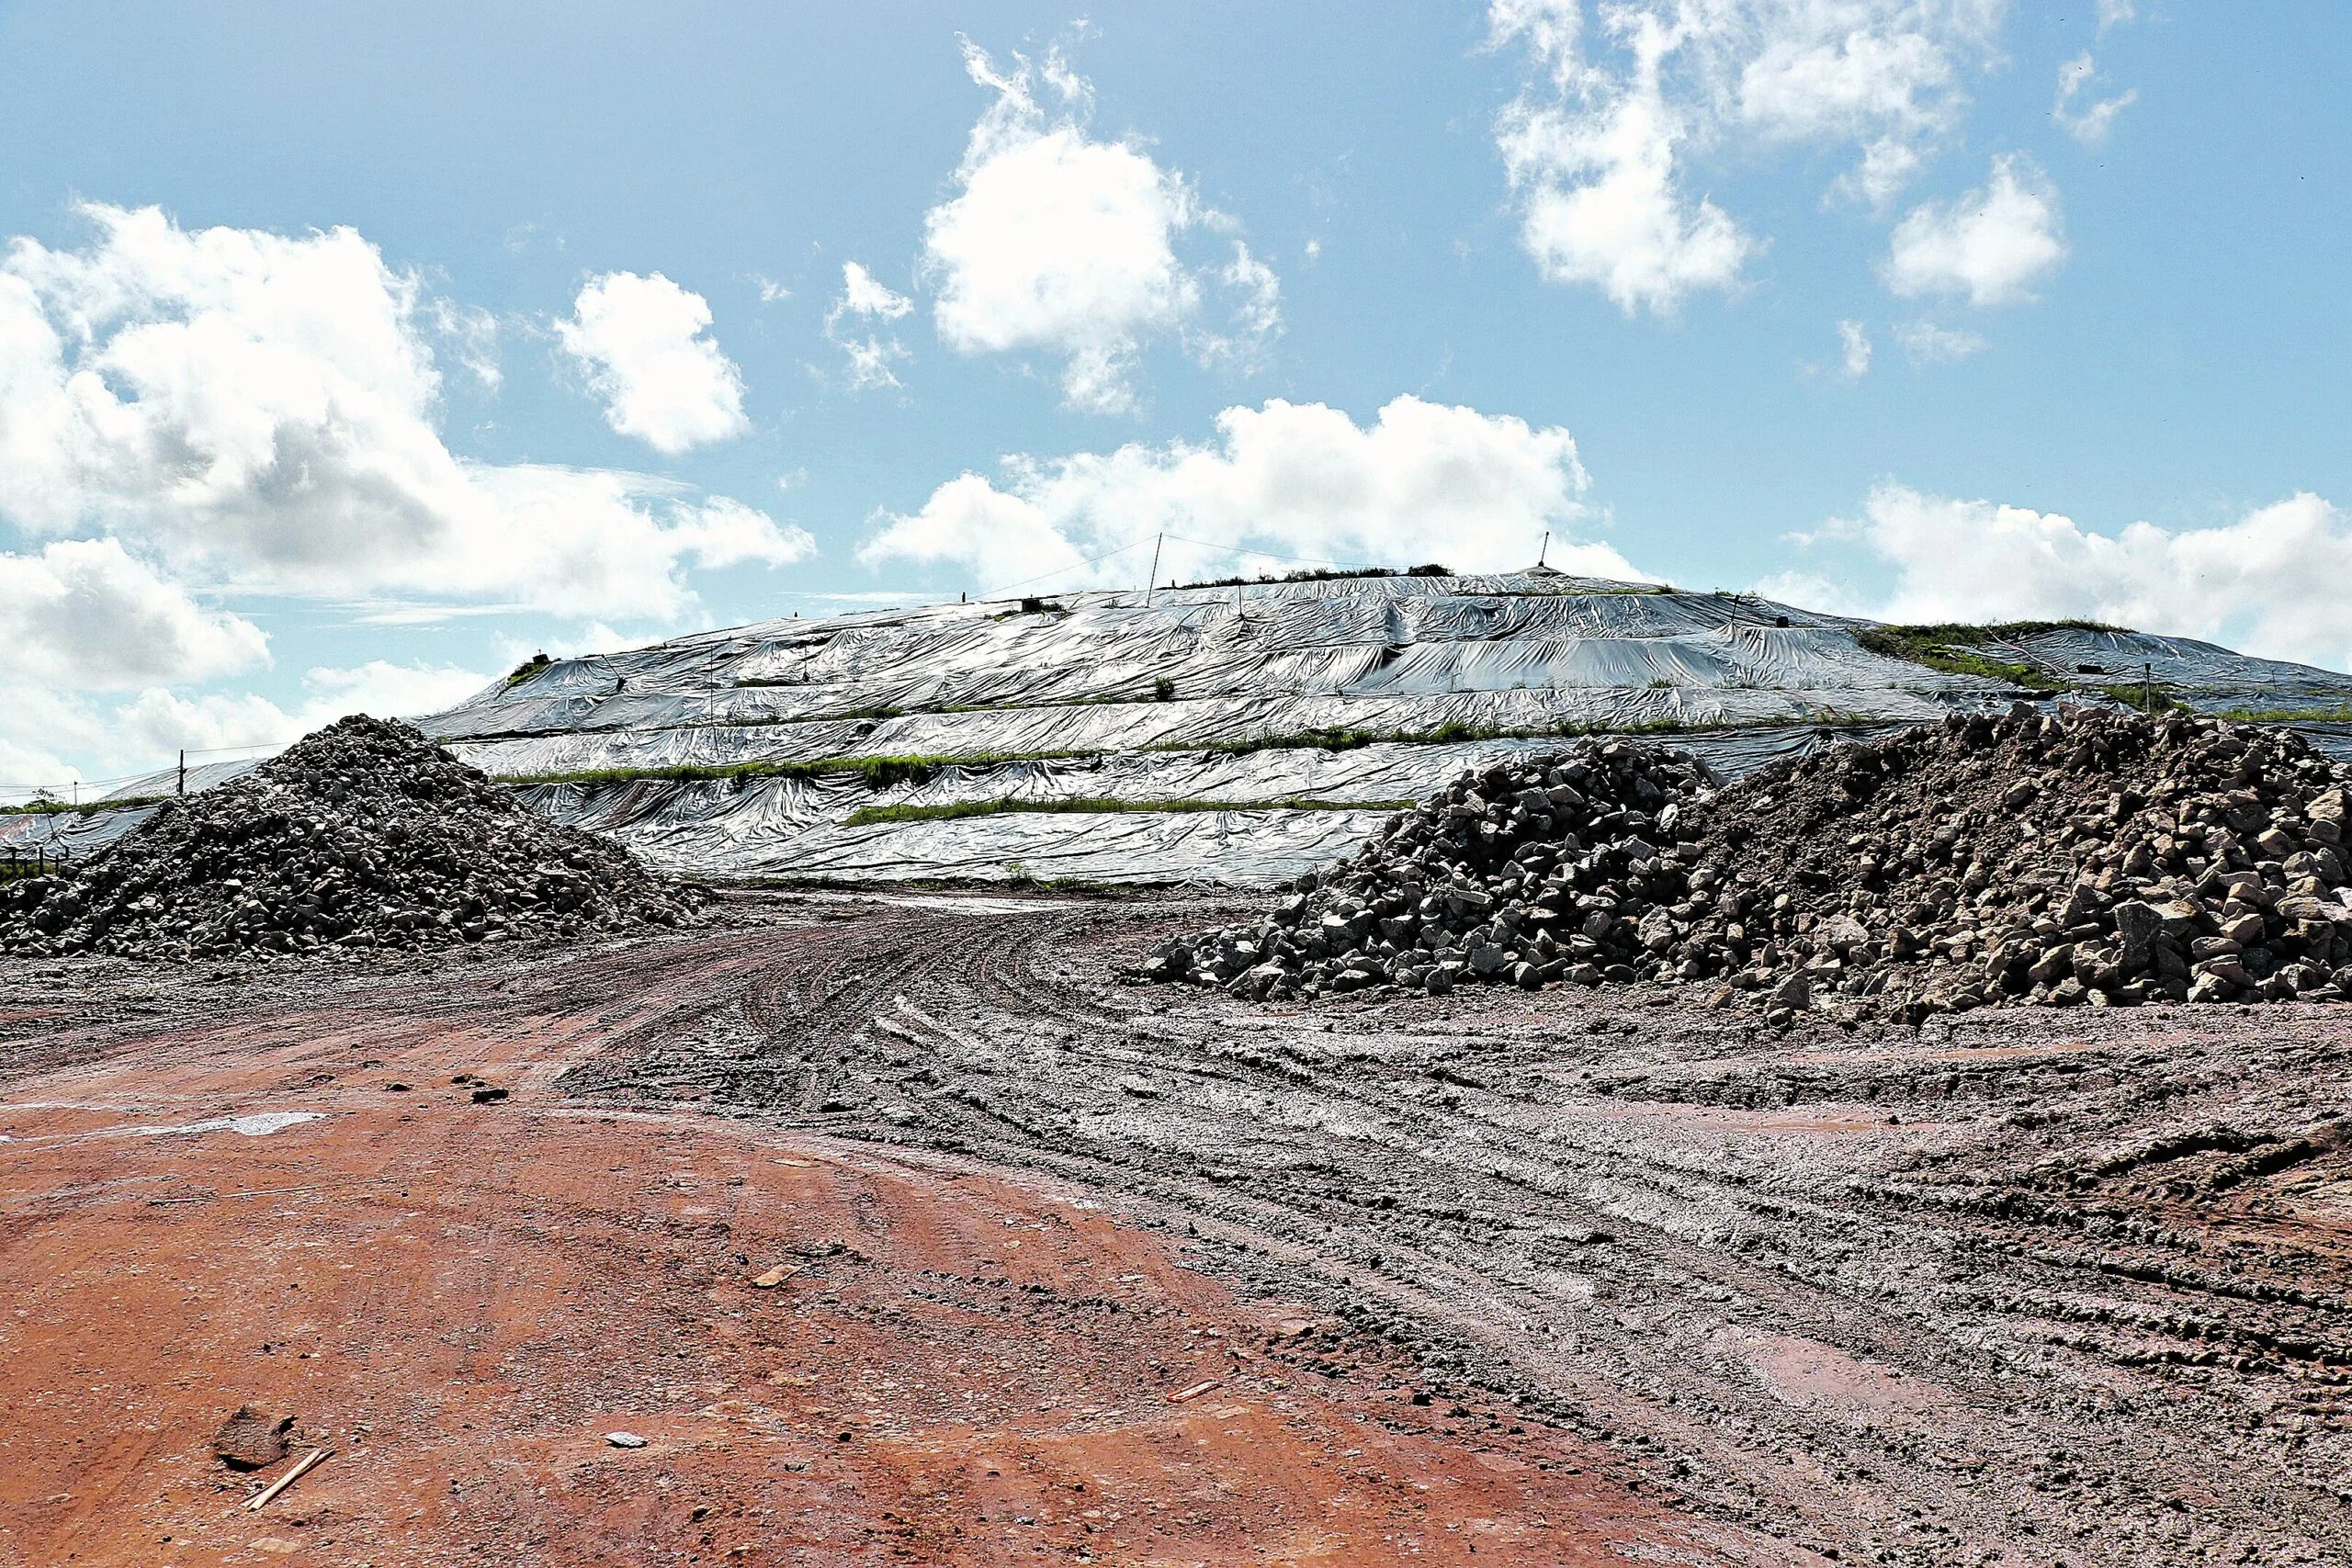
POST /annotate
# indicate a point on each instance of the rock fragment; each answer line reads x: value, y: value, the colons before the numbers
x: 249, y: 1440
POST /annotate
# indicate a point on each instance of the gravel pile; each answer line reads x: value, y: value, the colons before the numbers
x: 364, y: 835
x: 1537, y: 869
x: 2089, y: 856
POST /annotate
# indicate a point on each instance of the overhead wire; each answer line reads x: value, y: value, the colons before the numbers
x: 1090, y: 560
x: 1268, y: 554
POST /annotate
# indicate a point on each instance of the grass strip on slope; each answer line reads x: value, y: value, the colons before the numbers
x: 2342, y: 714
x: 880, y: 772
x: 867, y: 816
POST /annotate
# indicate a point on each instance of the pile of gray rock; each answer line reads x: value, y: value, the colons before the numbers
x: 1554, y: 866
x: 2086, y: 856
x: 363, y: 836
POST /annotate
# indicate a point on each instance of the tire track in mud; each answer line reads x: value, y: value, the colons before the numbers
x: 1893, y: 1297
x: 2064, y: 1287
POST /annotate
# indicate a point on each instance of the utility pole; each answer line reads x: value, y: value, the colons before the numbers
x: 1150, y: 581
x: 183, y: 786
x: 1544, y: 549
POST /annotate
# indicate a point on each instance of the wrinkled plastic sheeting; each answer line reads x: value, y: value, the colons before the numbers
x: 2331, y: 740
x: 1110, y: 728
x: 75, y: 834
x: 2211, y: 677
x: 166, y: 781
x: 796, y: 827
x: 1437, y: 639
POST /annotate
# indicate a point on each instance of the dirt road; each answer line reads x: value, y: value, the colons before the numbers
x: 2061, y: 1288
x: 302, y: 1194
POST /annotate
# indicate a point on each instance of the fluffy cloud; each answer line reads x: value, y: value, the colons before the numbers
x: 867, y: 302
x: 49, y: 737
x: 1854, y: 346
x: 157, y: 723
x: 1060, y: 244
x: 2270, y: 583
x: 2115, y: 12
x: 1596, y: 146
x: 1924, y: 342
x: 641, y: 342
x: 2090, y: 124
x: 1992, y: 244
x: 1600, y: 204
x: 258, y: 409
x: 84, y: 614
x: 1300, y: 480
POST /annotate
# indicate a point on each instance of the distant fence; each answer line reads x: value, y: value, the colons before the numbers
x: 40, y: 863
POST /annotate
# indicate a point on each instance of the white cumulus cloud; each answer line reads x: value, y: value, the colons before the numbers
x: 84, y: 615
x: 50, y: 737
x: 258, y: 411
x: 2090, y: 124
x: 158, y: 722
x: 1854, y: 346
x: 1992, y: 244
x: 1600, y: 203
x: 641, y: 343
x: 1924, y: 342
x: 2269, y: 583
x: 1629, y: 96
x: 864, y: 302
x: 1422, y: 481
x: 1060, y: 244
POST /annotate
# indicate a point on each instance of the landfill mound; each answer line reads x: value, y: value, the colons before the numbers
x: 2086, y: 856
x: 362, y: 835
x: 1231, y: 734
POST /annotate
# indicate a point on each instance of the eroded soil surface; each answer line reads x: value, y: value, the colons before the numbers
x: 2010, y: 1288
x: 314, y: 1203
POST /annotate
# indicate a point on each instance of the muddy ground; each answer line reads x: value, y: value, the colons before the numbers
x: 1568, y: 1276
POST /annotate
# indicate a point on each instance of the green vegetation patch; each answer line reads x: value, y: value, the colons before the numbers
x: 868, y: 815
x: 1952, y: 649
x: 2341, y: 714
x: 879, y: 773
x: 528, y: 667
x: 2141, y: 697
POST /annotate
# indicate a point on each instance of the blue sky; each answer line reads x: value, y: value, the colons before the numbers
x: 462, y: 330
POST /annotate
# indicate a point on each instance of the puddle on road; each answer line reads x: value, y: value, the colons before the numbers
x: 259, y: 1125
x: 253, y: 1124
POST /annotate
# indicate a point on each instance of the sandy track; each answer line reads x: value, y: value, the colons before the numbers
x: 971, y: 1363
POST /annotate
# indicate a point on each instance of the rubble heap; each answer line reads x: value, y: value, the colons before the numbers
x: 2085, y: 856
x: 2089, y: 855
x: 1539, y: 869
x: 363, y: 835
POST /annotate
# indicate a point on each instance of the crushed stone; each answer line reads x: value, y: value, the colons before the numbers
x: 2087, y: 856
x: 363, y: 835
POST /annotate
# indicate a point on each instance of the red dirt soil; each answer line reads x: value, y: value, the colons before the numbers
x: 460, y: 1300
